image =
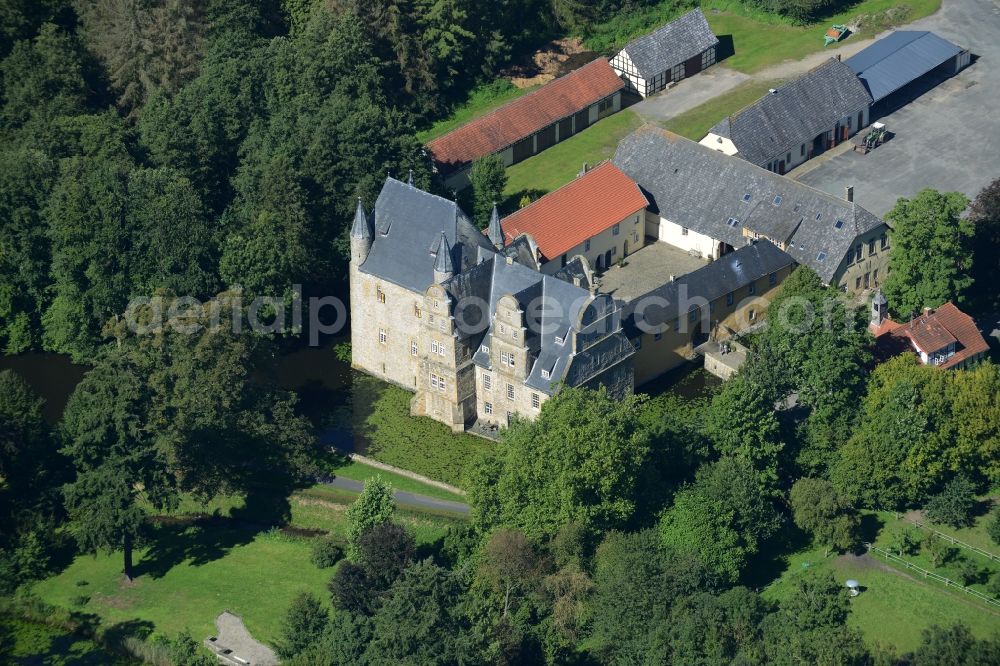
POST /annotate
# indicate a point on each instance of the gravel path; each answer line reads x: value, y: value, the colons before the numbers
x: 403, y: 498
x: 234, y: 636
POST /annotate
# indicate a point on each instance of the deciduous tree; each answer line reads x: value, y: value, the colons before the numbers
x: 931, y: 252
x: 819, y: 509
x: 488, y: 178
x: 374, y: 506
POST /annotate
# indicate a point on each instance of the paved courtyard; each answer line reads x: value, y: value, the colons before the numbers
x: 948, y: 138
x: 647, y: 269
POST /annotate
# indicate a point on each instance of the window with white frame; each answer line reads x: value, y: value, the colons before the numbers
x: 504, y: 358
x: 535, y: 400
x: 488, y: 382
x: 615, y: 230
x: 381, y: 336
x: 486, y: 349
x: 413, y: 347
x: 546, y: 374
x: 488, y: 408
x: 510, y: 391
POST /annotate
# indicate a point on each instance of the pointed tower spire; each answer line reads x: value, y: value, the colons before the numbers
x: 495, y: 231
x: 362, y: 234
x: 444, y: 268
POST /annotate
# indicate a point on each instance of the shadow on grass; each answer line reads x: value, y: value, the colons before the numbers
x: 513, y: 202
x: 871, y: 525
x: 202, y: 538
x: 772, y: 560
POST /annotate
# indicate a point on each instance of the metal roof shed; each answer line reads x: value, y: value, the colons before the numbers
x: 902, y: 57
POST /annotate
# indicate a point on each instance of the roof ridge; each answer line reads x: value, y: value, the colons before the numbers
x: 517, y: 100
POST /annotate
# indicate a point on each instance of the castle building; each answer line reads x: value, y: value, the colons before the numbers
x: 466, y: 321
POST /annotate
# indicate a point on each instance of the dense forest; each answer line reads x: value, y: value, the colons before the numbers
x: 216, y: 150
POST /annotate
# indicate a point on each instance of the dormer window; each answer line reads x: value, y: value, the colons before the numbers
x: 560, y: 339
x: 546, y: 374
x: 485, y: 349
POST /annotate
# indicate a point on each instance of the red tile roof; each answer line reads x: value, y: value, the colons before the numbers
x: 557, y: 99
x: 937, y: 329
x: 561, y: 220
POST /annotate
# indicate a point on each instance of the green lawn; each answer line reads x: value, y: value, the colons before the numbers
x: 192, y: 571
x: 361, y: 472
x: 695, y: 123
x: 36, y: 643
x: 895, y: 606
x: 481, y: 101
x: 760, y: 40
x: 384, y: 430
x: 556, y: 166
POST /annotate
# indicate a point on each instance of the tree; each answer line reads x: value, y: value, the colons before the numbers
x: 119, y: 231
x: 352, y: 591
x: 819, y: 509
x: 985, y: 216
x: 117, y: 462
x: 384, y: 550
x: 954, y: 645
x: 580, y: 461
x: 740, y: 422
x: 993, y: 526
x: 25, y: 179
x: 711, y: 629
x: 937, y: 549
x: 305, y: 621
x: 223, y: 427
x: 931, y: 252
x: 635, y: 582
x: 374, y: 506
x: 722, y: 517
x: 488, y: 178
x: 904, y: 541
x: 954, y: 504
x: 511, y: 565
x: 145, y: 46
x: 418, y: 621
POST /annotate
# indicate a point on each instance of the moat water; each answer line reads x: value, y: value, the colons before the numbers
x: 331, y: 394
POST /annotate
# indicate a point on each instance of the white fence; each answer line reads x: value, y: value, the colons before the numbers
x: 872, y: 548
x: 952, y: 540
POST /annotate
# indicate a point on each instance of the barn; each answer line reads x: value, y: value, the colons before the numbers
x: 906, y: 57
x: 530, y: 124
x: 680, y: 49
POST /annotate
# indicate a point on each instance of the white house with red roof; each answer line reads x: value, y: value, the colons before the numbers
x: 600, y: 215
x: 945, y: 337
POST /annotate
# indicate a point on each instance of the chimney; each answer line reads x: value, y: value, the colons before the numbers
x: 673, y: 277
x: 838, y: 57
x: 772, y: 91
x: 584, y: 170
x: 849, y: 193
x: 928, y: 311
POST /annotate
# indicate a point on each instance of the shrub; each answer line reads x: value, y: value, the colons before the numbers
x: 326, y: 552
x: 969, y: 572
x: 954, y: 504
x: 993, y: 528
x: 993, y: 587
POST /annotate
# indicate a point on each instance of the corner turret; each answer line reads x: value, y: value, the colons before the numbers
x: 495, y: 232
x: 444, y: 267
x: 362, y: 235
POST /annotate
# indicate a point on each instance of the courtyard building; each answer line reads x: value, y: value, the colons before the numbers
x: 709, y: 204
x: 600, y: 215
x: 796, y: 121
x: 671, y: 53
x: 528, y: 125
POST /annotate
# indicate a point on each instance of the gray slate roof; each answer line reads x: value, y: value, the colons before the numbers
x: 671, y: 44
x: 795, y: 113
x: 702, y: 189
x: 723, y: 276
x: 895, y: 60
x: 577, y: 310
x: 408, y: 226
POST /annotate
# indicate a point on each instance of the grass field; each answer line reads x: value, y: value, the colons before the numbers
x: 895, y: 606
x: 380, y: 416
x: 559, y: 164
x: 193, y: 570
x: 695, y: 123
